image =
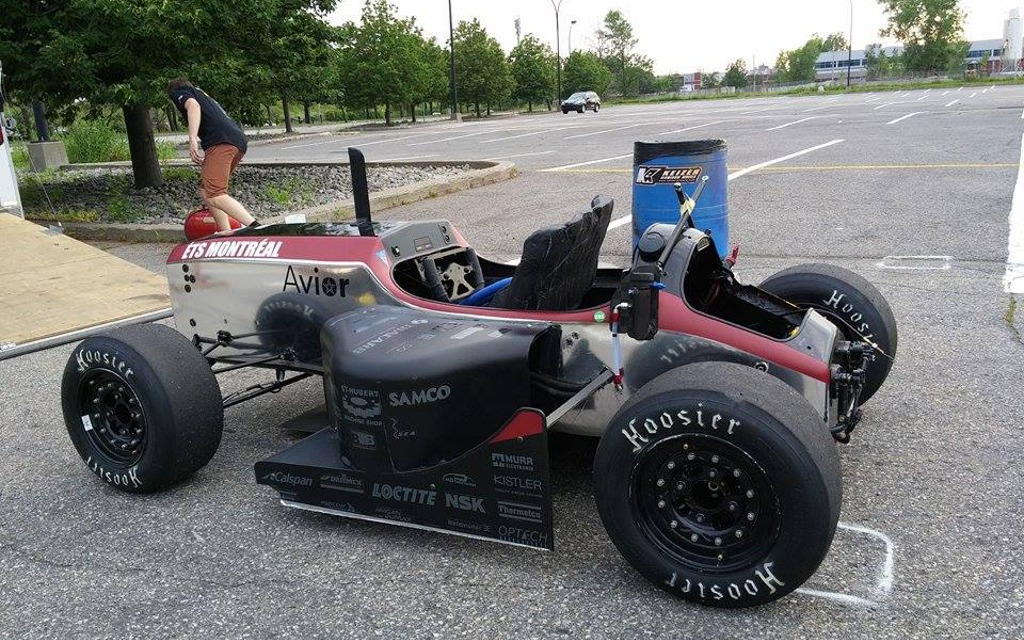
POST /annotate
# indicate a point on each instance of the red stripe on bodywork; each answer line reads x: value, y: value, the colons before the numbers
x: 675, y: 315
x: 525, y: 423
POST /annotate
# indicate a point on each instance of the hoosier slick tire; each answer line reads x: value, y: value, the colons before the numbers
x: 851, y: 303
x: 720, y: 484
x: 142, y: 407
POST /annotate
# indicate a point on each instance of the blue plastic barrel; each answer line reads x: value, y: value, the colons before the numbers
x: 657, y: 166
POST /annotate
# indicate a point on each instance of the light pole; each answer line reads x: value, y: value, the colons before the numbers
x: 558, y: 49
x: 849, y: 55
x: 451, y: 70
x: 570, y: 36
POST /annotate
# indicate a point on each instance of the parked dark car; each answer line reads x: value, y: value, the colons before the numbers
x: 582, y: 101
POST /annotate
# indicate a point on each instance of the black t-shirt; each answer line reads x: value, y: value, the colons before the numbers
x: 215, y: 126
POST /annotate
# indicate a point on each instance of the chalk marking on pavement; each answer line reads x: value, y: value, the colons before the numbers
x: 1013, y: 281
x: 953, y: 102
x: 909, y: 115
x: 597, y: 133
x: 790, y: 124
x: 466, y: 135
x: 886, y: 574
x: 615, y: 224
x: 523, y: 155
x: 892, y: 263
x: 523, y: 135
x: 696, y: 126
x: 589, y: 162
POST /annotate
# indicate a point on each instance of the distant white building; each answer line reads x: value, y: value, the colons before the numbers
x: 832, y: 64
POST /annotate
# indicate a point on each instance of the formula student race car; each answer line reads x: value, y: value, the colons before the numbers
x: 717, y: 403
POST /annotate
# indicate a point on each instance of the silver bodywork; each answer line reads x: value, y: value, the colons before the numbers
x: 245, y: 296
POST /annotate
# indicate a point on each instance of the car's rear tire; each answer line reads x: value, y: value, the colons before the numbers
x: 580, y: 110
x: 597, y: 108
x: 142, y: 407
x: 565, y: 111
x: 851, y: 303
x: 720, y: 484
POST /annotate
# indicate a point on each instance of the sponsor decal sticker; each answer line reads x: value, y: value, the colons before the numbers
x: 232, y: 249
x: 666, y: 175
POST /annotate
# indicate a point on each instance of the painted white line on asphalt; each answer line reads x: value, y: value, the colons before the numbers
x: 398, y: 139
x: 615, y: 224
x: 308, y: 144
x: 909, y: 115
x: 523, y: 135
x: 523, y: 155
x: 587, y: 163
x: 790, y: 124
x: 696, y: 126
x: 597, y: 133
x: 746, y: 113
x: 1013, y: 281
x: 960, y: 89
x: 906, y: 95
x: 406, y: 158
x: 884, y: 105
x: 873, y: 99
x: 921, y: 98
x: 827, y: 106
x: 924, y: 263
x: 953, y: 102
x: 984, y: 91
x: 973, y: 94
x: 467, y: 135
x: 1022, y: 115
x: 944, y: 94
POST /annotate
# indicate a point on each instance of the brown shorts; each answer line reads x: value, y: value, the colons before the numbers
x: 218, y: 164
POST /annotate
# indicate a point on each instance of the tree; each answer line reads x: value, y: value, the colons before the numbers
x: 584, y: 71
x: 384, y: 60
x: 481, y: 70
x: 798, y: 65
x: 736, y: 75
x: 615, y: 46
x: 533, y: 69
x: 835, y: 42
x: 879, y: 65
x: 931, y: 32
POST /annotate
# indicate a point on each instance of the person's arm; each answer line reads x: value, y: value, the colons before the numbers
x: 195, y: 114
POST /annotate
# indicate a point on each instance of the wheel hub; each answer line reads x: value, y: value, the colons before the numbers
x: 705, y: 501
x: 115, y: 415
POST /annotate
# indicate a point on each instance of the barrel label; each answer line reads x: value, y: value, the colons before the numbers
x: 670, y: 175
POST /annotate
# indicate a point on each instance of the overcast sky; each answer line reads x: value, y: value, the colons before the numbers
x: 682, y: 35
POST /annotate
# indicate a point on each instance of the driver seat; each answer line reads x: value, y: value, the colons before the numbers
x: 559, y: 263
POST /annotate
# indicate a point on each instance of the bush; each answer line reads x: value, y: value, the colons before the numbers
x: 95, y: 141
x: 166, y: 150
x: 19, y: 155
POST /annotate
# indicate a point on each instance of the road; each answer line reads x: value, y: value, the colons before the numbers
x: 913, y: 190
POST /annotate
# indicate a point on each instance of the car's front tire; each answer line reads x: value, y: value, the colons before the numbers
x: 142, y: 407
x: 719, y: 484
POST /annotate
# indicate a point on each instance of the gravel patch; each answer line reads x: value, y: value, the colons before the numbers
x: 108, y: 195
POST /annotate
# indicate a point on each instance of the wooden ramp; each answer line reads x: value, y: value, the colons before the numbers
x: 54, y: 289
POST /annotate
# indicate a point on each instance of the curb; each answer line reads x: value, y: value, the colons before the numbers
x: 481, y: 174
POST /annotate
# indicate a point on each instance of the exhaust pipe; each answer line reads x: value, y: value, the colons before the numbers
x: 360, y: 191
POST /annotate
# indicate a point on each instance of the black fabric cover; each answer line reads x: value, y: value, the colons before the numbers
x: 559, y: 263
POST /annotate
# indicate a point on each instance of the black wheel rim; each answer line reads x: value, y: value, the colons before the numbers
x: 113, y: 417
x: 705, y: 503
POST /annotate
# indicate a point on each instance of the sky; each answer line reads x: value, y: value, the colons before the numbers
x: 682, y: 36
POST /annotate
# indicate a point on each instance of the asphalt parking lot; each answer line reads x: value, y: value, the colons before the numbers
x: 913, y: 190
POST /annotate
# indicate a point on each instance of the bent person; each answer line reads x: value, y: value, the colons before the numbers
x: 223, y: 143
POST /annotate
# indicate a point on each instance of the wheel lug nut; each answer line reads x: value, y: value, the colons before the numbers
x: 750, y: 516
x: 714, y: 459
x: 718, y: 542
x: 700, y: 518
x: 691, y: 456
x: 661, y: 504
x: 739, y: 533
x: 673, y: 524
x: 671, y: 465
x: 661, y: 482
x: 680, y: 486
x: 694, y: 538
x: 750, y: 493
x: 733, y: 506
x: 736, y: 473
x: 712, y: 474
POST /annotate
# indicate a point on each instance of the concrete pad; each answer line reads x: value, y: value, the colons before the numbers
x: 52, y: 285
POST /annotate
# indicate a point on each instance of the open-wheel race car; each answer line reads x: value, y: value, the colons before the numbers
x: 717, y: 404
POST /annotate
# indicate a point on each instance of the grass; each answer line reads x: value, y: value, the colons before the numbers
x: 289, y: 192
x: 19, y: 155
